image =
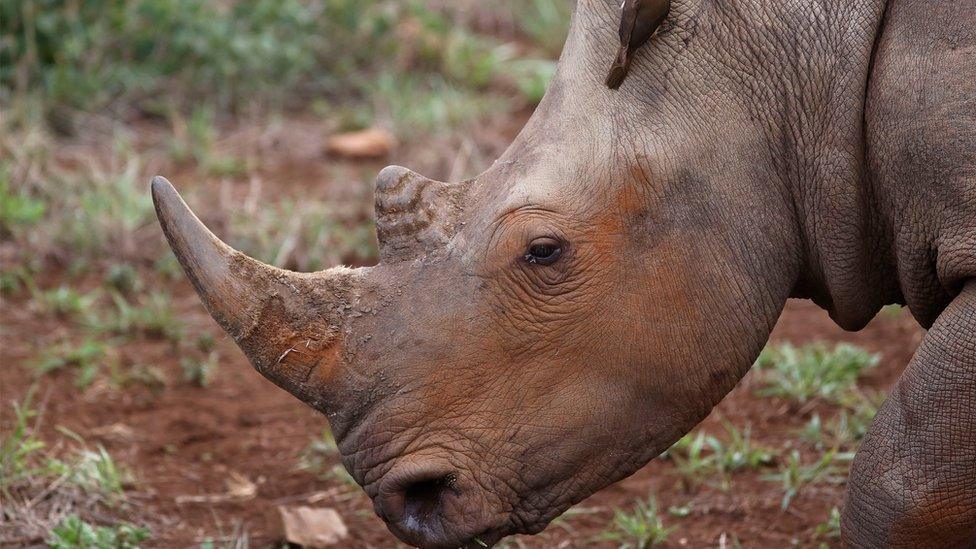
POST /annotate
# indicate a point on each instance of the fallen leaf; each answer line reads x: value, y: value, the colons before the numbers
x: 239, y: 488
x: 312, y: 527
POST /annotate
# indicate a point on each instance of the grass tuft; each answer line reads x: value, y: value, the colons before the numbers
x: 801, y: 374
x: 639, y: 528
x: 829, y: 529
x: 86, y: 359
x: 151, y: 316
x: 701, y: 456
x: 795, y: 477
x: 75, y: 533
x: 43, y: 488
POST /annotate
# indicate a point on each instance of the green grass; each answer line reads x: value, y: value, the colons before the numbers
x: 18, y: 448
x: 18, y: 210
x: 544, y: 22
x: 319, y: 453
x: 24, y: 458
x: 75, y: 533
x: 639, y: 528
x: 65, y: 301
x: 96, y: 471
x: 848, y: 426
x: 829, y: 529
x: 702, y: 457
x: 60, y: 490
x: 94, y: 212
x: 794, y: 476
x: 150, y: 316
x: 892, y: 312
x: 124, y: 278
x: 319, y: 459
x: 802, y: 374
x: 88, y: 69
x: 157, y: 55
x: 200, y: 371
x: 306, y: 236
x: 85, y: 359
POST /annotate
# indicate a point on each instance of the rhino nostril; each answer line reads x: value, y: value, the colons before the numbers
x: 415, y: 497
x: 422, y: 499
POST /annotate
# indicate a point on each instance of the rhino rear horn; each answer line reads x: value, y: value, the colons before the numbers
x: 288, y: 324
x: 415, y: 216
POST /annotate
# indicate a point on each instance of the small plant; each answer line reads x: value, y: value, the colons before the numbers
x: 200, y: 368
x: 739, y: 452
x: 18, y: 448
x: 681, y: 511
x: 75, y: 533
x: 339, y: 473
x: 199, y: 371
x: 150, y: 377
x: 123, y: 278
x: 86, y: 358
x: 892, y: 312
x: 848, y: 427
x: 814, y: 371
x: 829, y: 529
x: 690, y: 457
x: 564, y: 521
x: 640, y: 528
x: 316, y: 454
x: 167, y: 266
x: 18, y: 210
x: 794, y: 476
x: 38, y: 486
x: 702, y: 455
x: 152, y: 317
x: 237, y: 538
x: 65, y: 302
x: 318, y: 457
x: 544, y: 22
x: 14, y: 279
x: 95, y: 471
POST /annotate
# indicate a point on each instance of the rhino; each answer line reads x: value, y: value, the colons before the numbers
x: 546, y: 328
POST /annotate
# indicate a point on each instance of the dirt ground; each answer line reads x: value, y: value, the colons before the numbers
x: 185, y: 443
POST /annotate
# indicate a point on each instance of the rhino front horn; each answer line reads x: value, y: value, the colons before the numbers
x: 290, y: 325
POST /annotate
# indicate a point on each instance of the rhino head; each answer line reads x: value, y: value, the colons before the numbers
x: 543, y: 330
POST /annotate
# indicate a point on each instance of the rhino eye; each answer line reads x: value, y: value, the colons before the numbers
x: 543, y: 251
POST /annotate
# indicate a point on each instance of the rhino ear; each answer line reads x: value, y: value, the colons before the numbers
x: 415, y: 216
x: 639, y: 19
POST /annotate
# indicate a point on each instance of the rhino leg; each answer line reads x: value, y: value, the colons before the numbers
x: 913, y: 483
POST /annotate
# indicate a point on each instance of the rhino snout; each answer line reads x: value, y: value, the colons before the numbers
x: 433, y: 504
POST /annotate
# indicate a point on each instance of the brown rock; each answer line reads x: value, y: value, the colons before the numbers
x: 311, y: 527
x: 369, y: 143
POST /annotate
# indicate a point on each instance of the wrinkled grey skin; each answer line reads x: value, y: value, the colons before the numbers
x: 758, y: 150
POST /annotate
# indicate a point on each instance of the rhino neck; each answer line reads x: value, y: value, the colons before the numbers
x: 816, y: 105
